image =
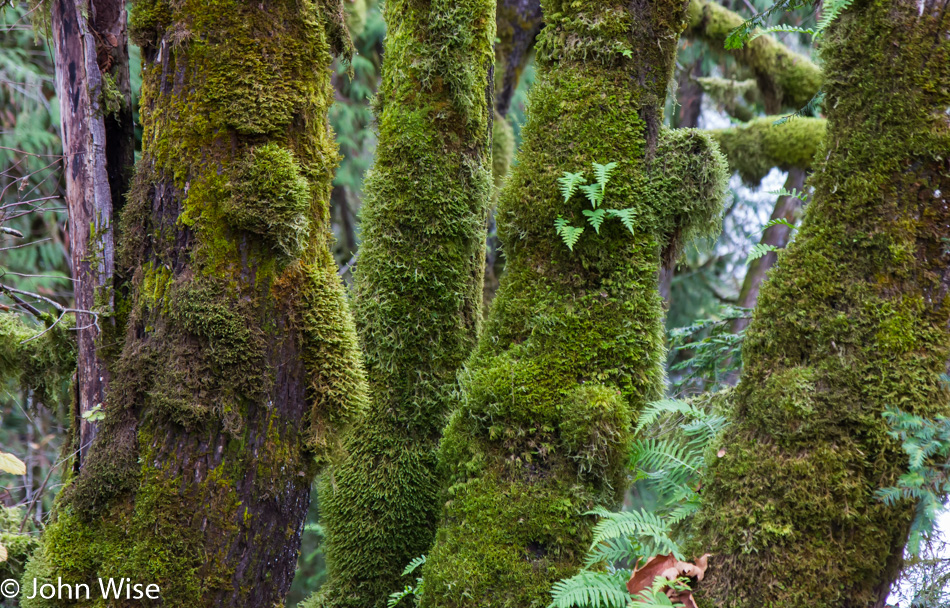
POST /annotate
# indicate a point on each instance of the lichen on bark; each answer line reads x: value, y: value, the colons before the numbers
x: 853, y: 320
x: 239, y: 366
x: 573, y: 344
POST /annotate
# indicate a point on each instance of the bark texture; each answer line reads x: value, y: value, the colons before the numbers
x: 574, y: 341
x: 92, y: 82
x: 853, y: 320
x: 417, y: 290
x: 239, y: 366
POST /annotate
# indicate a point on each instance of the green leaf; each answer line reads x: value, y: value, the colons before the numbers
x: 415, y: 563
x: 625, y: 216
x: 11, y: 464
x: 591, y: 590
x: 569, y: 234
x: 595, y: 194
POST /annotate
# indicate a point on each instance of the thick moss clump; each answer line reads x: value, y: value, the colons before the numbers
x: 852, y: 321
x: 573, y: 345
x: 754, y: 148
x: 19, y: 544
x: 417, y: 290
x: 239, y: 367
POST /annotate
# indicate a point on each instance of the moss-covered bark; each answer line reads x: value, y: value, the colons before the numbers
x: 417, y: 289
x: 853, y: 320
x: 754, y: 148
x: 785, y: 78
x: 573, y: 345
x: 239, y: 365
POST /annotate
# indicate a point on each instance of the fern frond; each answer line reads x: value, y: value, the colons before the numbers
x: 830, y: 11
x: 591, y: 590
x: 596, y: 218
x: 595, y: 194
x: 612, y: 551
x: 397, y: 596
x: 778, y: 222
x: 415, y: 563
x: 569, y: 183
x: 663, y: 407
x: 603, y: 174
x: 810, y: 109
x: 739, y: 36
x: 625, y: 216
x: 782, y: 28
x: 759, y: 250
x: 794, y: 193
x: 648, y: 528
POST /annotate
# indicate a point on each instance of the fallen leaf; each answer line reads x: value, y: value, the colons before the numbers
x: 11, y: 464
x: 642, y: 578
x: 3, y: 553
x: 669, y: 568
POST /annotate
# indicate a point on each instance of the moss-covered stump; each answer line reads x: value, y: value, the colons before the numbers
x: 853, y: 320
x: 417, y: 290
x: 239, y: 366
x: 573, y: 346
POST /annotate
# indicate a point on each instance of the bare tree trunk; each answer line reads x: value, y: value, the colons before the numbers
x: 786, y: 207
x: 92, y: 80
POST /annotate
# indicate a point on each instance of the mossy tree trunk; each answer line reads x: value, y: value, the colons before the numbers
x: 92, y: 81
x: 239, y: 365
x: 852, y: 321
x: 417, y: 290
x: 573, y: 345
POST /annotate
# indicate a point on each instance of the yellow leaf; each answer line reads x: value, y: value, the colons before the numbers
x: 3, y: 553
x: 11, y: 464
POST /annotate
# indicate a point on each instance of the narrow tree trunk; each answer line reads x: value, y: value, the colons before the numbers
x: 92, y: 81
x: 239, y: 365
x: 573, y: 346
x: 852, y: 321
x: 786, y: 208
x: 518, y: 23
x: 417, y: 290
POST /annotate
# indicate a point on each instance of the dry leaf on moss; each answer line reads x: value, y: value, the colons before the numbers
x: 669, y: 568
x: 3, y: 553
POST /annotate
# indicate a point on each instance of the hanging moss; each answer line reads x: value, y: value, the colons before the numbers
x: 852, y: 321
x: 239, y: 367
x: 39, y: 358
x: 755, y: 147
x: 417, y: 290
x: 573, y: 345
x: 785, y: 78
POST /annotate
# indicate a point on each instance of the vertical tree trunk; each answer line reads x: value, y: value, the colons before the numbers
x: 92, y: 80
x: 573, y: 345
x: 786, y: 208
x: 240, y: 364
x: 852, y: 321
x: 417, y: 290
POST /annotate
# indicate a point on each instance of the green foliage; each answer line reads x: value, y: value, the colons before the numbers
x: 927, y: 479
x: 415, y: 591
x: 715, y: 349
x: 592, y: 590
x: 596, y: 194
x: 760, y: 249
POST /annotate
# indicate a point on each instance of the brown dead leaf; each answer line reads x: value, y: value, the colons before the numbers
x: 642, y: 578
x: 670, y: 568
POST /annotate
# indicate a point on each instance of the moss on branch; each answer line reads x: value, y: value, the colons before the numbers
x: 754, y: 148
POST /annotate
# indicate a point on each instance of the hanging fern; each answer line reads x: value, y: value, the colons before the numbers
x: 759, y: 250
x: 592, y: 590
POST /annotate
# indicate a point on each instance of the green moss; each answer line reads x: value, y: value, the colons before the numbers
x: 417, y: 291
x: 19, y: 544
x: 755, y: 147
x: 785, y: 78
x: 852, y: 321
x: 502, y: 151
x: 38, y: 358
x: 271, y: 198
x: 239, y: 367
x: 573, y: 345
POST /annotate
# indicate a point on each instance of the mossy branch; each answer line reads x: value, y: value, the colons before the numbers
x: 786, y: 78
x: 754, y: 148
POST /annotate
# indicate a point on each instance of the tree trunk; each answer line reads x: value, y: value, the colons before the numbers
x: 417, y: 290
x: 852, y: 321
x: 573, y: 345
x: 92, y: 82
x: 239, y: 364
x: 786, y: 208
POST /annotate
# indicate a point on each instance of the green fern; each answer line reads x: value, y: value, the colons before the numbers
x: 596, y: 218
x: 651, y: 531
x: 625, y: 216
x: 569, y: 234
x: 603, y: 173
x: 782, y: 28
x: 569, y: 183
x: 415, y: 563
x: 759, y: 250
x: 409, y: 590
x: 811, y: 109
x: 595, y: 194
x: 592, y: 590
x: 794, y: 193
